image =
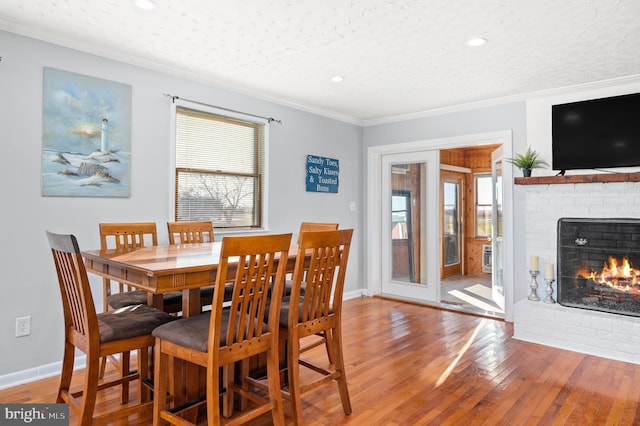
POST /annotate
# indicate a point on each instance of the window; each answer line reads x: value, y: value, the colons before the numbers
x: 483, y: 205
x: 220, y: 168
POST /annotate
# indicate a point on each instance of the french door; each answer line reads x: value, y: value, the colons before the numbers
x: 410, y: 225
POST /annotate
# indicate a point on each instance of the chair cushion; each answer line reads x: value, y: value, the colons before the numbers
x: 206, y: 294
x: 288, y: 286
x: 139, y: 297
x: 193, y: 332
x: 130, y: 321
x: 284, y: 311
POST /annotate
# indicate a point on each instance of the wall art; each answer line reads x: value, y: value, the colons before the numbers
x: 323, y: 174
x: 86, y: 136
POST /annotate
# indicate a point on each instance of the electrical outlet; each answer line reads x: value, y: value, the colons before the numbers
x: 23, y: 326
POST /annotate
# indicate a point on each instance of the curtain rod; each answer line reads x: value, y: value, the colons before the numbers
x: 269, y: 119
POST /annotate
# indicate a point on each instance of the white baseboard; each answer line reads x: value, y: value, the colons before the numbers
x: 37, y: 373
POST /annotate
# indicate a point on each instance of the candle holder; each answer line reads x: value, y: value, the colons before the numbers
x: 534, y: 286
x: 549, y: 299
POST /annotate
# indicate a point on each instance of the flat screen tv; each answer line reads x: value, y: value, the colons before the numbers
x: 596, y: 134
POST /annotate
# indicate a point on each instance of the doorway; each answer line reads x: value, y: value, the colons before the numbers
x: 471, y: 224
x: 451, y: 256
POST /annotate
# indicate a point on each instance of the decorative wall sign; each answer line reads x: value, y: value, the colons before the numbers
x: 322, y: 174
x: 86, y: 136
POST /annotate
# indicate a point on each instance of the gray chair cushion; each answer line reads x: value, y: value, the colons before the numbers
x: 288, y: 285
x: 139, y: 297
x: 284, y: 311
x: 130, y: 321
x: 193, y: 332
x: 206, y: 294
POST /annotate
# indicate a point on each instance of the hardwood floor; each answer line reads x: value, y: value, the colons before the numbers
x: 414, y: 365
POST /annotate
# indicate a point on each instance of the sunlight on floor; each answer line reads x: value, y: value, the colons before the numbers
x: 474, y: 301
x: 480, y: 290
x: 447, y: 372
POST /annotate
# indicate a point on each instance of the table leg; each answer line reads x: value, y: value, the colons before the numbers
x: 191, y: 302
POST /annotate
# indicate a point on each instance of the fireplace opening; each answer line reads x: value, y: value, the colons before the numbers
x: 599, y: 264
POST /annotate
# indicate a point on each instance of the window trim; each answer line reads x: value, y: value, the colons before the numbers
x: 264, y: 201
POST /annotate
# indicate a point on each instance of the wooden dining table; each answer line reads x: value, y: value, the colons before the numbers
x: 162, y: 269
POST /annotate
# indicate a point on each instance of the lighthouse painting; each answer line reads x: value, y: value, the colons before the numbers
x: 86, y: 136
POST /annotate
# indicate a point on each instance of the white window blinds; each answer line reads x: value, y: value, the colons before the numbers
x: 219, y: 169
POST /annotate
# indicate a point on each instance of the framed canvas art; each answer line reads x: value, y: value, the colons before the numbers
x: 86, y: 136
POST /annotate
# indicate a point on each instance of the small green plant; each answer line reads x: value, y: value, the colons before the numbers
x: 527, y: 161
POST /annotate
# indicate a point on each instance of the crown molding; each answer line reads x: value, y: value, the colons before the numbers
x: 613, y: 82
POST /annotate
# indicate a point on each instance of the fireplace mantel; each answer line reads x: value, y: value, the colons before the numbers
x: 592, y: 178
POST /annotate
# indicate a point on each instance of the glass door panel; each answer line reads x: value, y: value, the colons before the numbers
x: 409, y: 257
x: 402, y: 239
x: 451, y: 227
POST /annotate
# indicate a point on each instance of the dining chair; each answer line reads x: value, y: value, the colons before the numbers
x: 99, y: 335
x: 226, y: 335
x: 311, y: 227
x: 190, y: 232
x: 129, y: 236
x: 321, y: 264
x: 315, y: 227
x: 196, y: 232
x: 126, y: 236
x: 308, y: 227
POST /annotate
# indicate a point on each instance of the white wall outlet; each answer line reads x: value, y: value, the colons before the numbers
x: 23, y: 326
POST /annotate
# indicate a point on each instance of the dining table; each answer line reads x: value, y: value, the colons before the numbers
x: 161, y: 269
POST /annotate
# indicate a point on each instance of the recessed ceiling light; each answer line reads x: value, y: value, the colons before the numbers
x: 145, y: 4
x: 337, y: 79
x: 476, y: 42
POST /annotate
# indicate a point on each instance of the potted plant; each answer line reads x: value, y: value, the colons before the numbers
x: 528, y: 161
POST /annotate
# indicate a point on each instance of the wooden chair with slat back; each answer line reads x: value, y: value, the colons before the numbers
x: 321, y: 264
x: 125, y: 236
x: 309, y: 227
x: 99, y: 335
x: 312, y: 227
x: 226, y: 335
x: 190, y: 232
x: 315, y: 227
x: 130, y: 236
x: 195, y: 232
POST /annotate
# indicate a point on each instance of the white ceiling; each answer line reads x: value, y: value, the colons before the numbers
x: 397, y: 57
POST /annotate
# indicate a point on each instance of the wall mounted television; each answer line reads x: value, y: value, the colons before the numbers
x: 596, y: 134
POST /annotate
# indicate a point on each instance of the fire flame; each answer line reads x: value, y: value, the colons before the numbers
x: 620, y: 276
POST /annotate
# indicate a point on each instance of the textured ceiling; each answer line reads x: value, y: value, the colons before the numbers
x: 397, y: 57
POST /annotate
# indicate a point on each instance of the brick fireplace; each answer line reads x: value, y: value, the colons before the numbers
x: 598, y: 329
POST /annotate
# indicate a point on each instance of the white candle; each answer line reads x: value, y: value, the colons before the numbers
x: 534, y: 263
x: 548, y: 272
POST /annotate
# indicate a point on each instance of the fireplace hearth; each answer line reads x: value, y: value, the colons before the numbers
x: 599, y: 264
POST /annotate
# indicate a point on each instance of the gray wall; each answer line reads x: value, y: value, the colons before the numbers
x: 502, y: 117
x: 28, y: 281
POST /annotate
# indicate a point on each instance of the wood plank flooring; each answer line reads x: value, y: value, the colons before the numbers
x: 414, y: 365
